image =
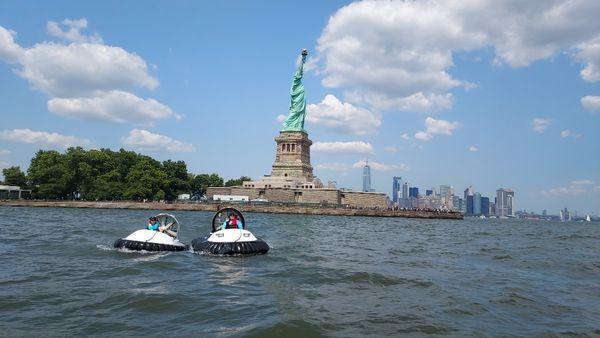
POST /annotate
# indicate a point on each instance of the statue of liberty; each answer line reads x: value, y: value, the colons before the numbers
x: 295, y: 120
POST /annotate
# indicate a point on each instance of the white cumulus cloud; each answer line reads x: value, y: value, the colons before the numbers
x: 42, y: 138
x: 113, y: 106
x: 591, y: 103
x: 473, y: 149
x: 336, y: 166
x: 10, y: 51
x: 399, y: 54
x: 333, y: 166
x: 391, y: 149
x: 144, y: 140
x: 381, y: 166
x: 351, y: 147
x: 72, y: 31
x: 405, y: 136
x: 589, y: 53
x: 81, y: 69
x: 85, y: 78
x: 567, y: 133
x: 574, y: 188
x: 436, y: 127
x: 539, y: 124
x: 343, y: 117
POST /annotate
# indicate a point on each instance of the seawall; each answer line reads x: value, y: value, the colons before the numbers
x: 260, y: 208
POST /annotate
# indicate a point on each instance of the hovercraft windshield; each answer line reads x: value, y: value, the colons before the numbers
x: 223, y: 216
x: 229, y: 236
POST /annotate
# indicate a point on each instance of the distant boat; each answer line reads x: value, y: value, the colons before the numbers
x: 482, y: 216
x: 588, y: 218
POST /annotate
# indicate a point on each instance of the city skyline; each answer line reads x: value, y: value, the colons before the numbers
x: 484, y: 108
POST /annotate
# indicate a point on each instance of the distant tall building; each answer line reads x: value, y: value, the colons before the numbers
x: 413, y: 192
x: 477, y: 204
x: 367, y: 177
x: 468, y: 192
x: 456, y: 203
x: 428, y: 192
x: 504, y: 202
x: 470, y: 208
x: 485, y: 206
x: 565, y: 215
x: 396, y: 188
x: 544, y: 212
x: 445, y: 190
x: 463, y: 206
x: 405, y: 190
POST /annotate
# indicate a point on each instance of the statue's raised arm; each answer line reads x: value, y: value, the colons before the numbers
x: 295, y: 119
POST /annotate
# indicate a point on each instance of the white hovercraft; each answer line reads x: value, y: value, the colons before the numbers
x: 166, y: 239
x: 229, y: 241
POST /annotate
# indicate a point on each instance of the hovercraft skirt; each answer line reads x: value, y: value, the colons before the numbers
x: 230, y: 248
x: 138, y: 246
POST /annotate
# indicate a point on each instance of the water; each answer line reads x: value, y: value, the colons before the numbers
x: 324, y: 276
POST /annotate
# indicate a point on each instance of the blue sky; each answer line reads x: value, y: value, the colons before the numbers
x: 509, y: 97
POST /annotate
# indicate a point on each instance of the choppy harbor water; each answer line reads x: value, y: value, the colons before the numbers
x: 324, y: 276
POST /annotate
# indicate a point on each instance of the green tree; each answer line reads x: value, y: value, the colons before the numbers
x: 177, y: 179
x: 107, y: 187
x: 49, y: 175
x: 203, y: 181
x: 146, y: 180
x: 14, y: 176
x: 237, y: 181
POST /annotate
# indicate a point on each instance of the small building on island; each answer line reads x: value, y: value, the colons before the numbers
x: 13, y: 192
x: 291, y: 179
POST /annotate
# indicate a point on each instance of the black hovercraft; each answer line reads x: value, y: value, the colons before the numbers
x: 229, y: 236
x: 165, y: 238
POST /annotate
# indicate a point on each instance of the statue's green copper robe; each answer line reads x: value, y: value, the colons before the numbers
x: 295, y: 120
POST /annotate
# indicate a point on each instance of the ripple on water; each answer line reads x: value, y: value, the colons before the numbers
x: 324, y: 276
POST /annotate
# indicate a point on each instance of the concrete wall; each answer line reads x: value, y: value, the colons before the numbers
x: 280, y: 194
x: 210, y: 191
x: 253, y: 193
x: 364, y: 199
x: 329, y: 196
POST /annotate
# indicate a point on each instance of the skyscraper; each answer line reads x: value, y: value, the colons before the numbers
x: 428, y: 192
x: 456, y: 203
x: 485, y: 206
x: 470, y: 208
x: 504, y: 202
x: 468, y: 192
x: 477, y: 204
x: 446, y: 191
x: 396, y: 188
x: 565, y: 215
x: 405, y: 190
x: 413, y: 192
x: 367, y: 177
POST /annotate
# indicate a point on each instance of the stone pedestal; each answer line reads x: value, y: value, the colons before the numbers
x: 292, y: 157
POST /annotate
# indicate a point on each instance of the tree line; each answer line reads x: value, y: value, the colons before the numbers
x: 103, y: 174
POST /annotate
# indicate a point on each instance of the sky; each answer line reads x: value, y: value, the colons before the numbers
x: 486, y: 94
